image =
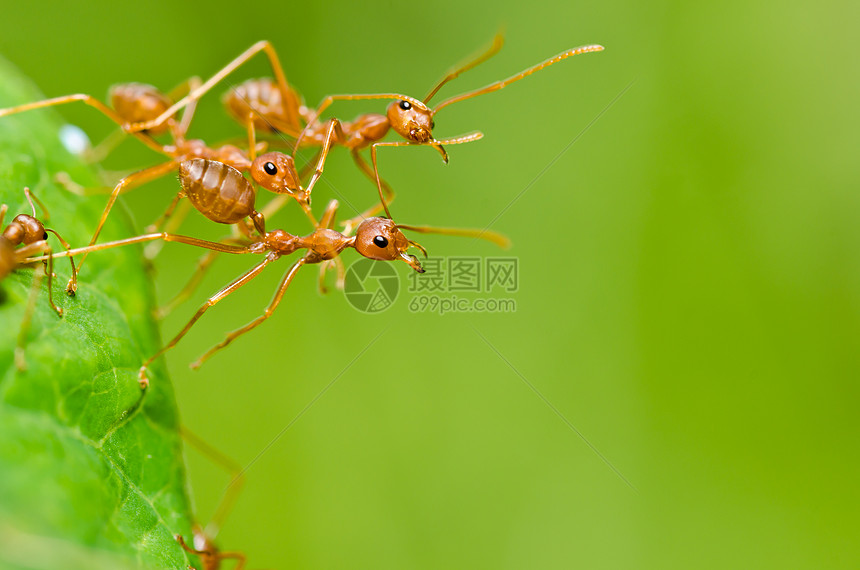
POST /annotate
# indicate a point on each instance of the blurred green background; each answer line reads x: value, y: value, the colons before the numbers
x: 688, y: 287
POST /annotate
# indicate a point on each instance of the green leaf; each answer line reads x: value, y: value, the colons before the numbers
x: 85, y: 466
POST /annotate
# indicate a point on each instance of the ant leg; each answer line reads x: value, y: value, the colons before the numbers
x: 203, y: 265
x: 234, y: 488
x: 20, y: 361
x: 341, y: 273
x: 156, y: 225
x: 173, y: 217
x: 337, y: 264
x: 376, y: 170
x: 321, y: 284
x: 189, y: 549
x: 279, y: 201
x: 308, y: 167
x: 100, y: 151
x: 327, y: 219
x: 207, y: 555
x: 67, y: 247
x: 283, y: 87
x: 124, y: 185
x: 213, y: 300
x: 376, y: 209
x: 31, y: 197
x: 236, y: 555
x: 525, y: 73
x: 181, y: 128
x: 107, y: 145
x: 279, y: 294
x: 497, y: 44
x: 22, y: 256
x: 334, y: 130
x: 87, y: 100
x: 435, y: 143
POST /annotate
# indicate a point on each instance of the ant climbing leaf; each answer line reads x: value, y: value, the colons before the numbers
x: 90, y: 477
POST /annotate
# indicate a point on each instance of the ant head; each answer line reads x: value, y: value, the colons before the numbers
x: 276, y: 172
x: 412, y: 120
x: 25, y: 230
x: 379, y: 238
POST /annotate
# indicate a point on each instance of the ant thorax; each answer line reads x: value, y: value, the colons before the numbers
x: 278, y: 241
x: 324, y: 244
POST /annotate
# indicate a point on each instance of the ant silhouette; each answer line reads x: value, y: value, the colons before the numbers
x: 32, y: 235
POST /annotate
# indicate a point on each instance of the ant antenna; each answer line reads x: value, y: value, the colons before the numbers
x: 505, y: 82
x: 29, y: 199
x: 500, y: 240
x: 494, y: 48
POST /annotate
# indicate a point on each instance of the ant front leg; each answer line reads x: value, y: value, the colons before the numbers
x: 73, y: 280
x: 334, y: 132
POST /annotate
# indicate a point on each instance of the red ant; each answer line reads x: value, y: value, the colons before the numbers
x: 32, y: 235
x: 375, y: 238
x: 277, y: 107
x: 274, y: 171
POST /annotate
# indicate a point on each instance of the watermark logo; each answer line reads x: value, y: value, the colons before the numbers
x: 371, y: 286
x: 448, y: 285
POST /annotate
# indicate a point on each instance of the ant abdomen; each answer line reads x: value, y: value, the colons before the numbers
x: 262, y: 100
x: 217, y: 190
x: 138, y: 103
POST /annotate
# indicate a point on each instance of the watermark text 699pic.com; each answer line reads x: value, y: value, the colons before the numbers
x: 448, y: 285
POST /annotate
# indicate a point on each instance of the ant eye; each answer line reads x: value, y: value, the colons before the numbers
x: 432, y: 124
x: 380, y: 241
x: 270, y: 168
x: 45, y: 236
x: 405, y: 105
